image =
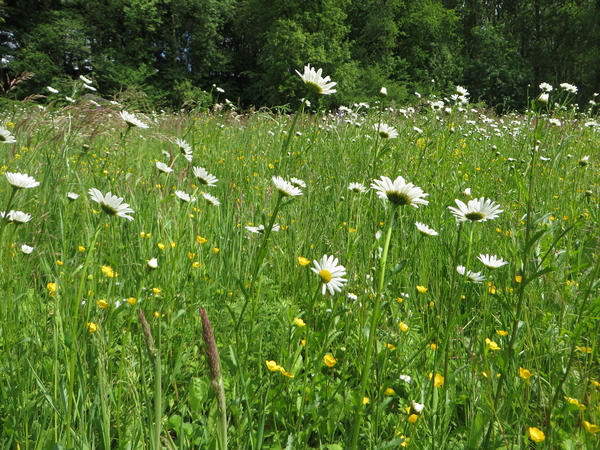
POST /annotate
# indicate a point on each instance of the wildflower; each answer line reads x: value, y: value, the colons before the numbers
x: 132, y: 121
x: 590, y: 427
x: 273, y: 366
x: 298, y: 182
x: 196, y: 264
x: 595, y: 383
x: 102, y: 304
x: 417, y: 407
x: 21, y: 180
x: 211, y: 200
x: 389, y: 391
x: 330, y: 273
x: 584, y: 161
x: 518, y: 278
x: 425, y: 230
x: 286, y: 374
x: 357, y: 188
x: 131, y: 300
x: 403, y: 327
x: 433, y: 346
x: 162, y: 167
x: 92, y: 327
x: 399, y: 193
x: 285, y: 188
x: 422, y: 289
x: 19, y: 217
x: 536, y: 435
x: 383, y: 91
x: 299, y: 322
x: 216, y: 250
x: 91, y: 88
x: 585, y: 349
x: 303, y: 261
x: 385, y: 131
x: 109, y: 272
x: 204, y: 177
x: 59, y: 262
x: 543, y: 97
x: 570, y: 88
x: 72, y: 196
x: 438, y: 380
x: 413, y: 418
x: 111, y: 204
x: 391, y: 347
x: 316, y: 82
x: 261, y: 229
x: 161, y: 245
x: 81, y: 248
x: 546, y: 87
x: 574, y: 401
x: 185, y: 149
x: 502, y: 332
x: 201, y: 240
x: 6, y: 137
x: 405, y: 378
x: 152, y: 264
x: 52, y: 288
x: 491, y: 262
x: 329, y: 360
x: 26, y: 249
x: 473, y: 277
x: 52, y: 90
x: 524, y: 373
x: 476, y: 210
x: 184, y: 197
x: 365, y: 400
x: 491, y: 344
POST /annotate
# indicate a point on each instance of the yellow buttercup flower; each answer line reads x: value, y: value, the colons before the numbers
x: 574, y: 401
x: 299, y: 322
x: 536, y: 435
x: 59, y: 262
x: 365, y: 400
x: 389, y: 391
x: 52, y: 288
x: 422, y: 289
x: 438, y: 380
x: 109, y: 272
x: 413, y: 418
x: 81, y: 248
x: 273, y: 366
x: 518, y: 279
x: 92, y: 327
x: 433, y: 346
x: 196, y: 264
x: 303, y: 261
x: 585, y: 349
x: 491, y: 344
x: 287, y: 374
x: 502, y: 333
x: 590, y: 427
x: 329, y: 360
x: 132, y: 301
x: 595, y: 383
x: 390, y: 346
x: 102, y: 304
x: 216, y: 250
x: 161, y: 245
x: 524, y: 373
x: 201, y: 240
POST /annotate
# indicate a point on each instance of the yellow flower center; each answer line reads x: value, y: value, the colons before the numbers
x: 325, y: 276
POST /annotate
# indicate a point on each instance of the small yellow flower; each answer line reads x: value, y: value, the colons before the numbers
x: 433, y: 346
x: 196, y: 264
x: 92, y: 327
x: 273, y: 366
x: 108, y: 271
x: 303, y: 261
x: 491, y: 344
x: 518, y: 279
x: 215, y: 250
x: 52, y: 288
x: 389, y: 391
x: 438, y: 380
x: 595, y: 383
x: 365, y: 400
x: 585, y: 349
x: 403, y: 327
x: 132, y: 301
x: 536, y: 435
x: 287, y: 374
x: 405, y: 442
x: 81, y: 248
x: 201, y: 240
x: 161, y: 245
x: 574, y: 401
x: 422, y: 289
x: 391, y: 347
x: 299, y: 322
x: 502, y: 333
x: 173, y: 245
x: 329, y: 360
x: 524, y: 373
x: 59, y: 262
x: 191, y: 255
x: 590, y: 427
x: 413, y: 418
x: 102, y: 304
x: 352, y: 230
x: 431, y: 304
x: 303, y: 342
x: 156, y: 290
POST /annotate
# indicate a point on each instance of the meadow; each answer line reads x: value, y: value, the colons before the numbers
x: 335, y: 321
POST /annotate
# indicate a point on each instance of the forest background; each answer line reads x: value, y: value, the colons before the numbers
x: 175, y: 51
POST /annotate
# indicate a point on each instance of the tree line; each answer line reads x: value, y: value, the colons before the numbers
x: 177, y: 50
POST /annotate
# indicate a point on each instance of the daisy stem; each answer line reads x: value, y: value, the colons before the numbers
x: 288, y: 139
x: 372, y: 330
x: 4, y: 220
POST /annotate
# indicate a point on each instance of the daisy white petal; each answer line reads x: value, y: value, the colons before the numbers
x: 111, y: 204
x: 162, y: 167
x: 21, y: 180
x: 476, y: 210
x: 152, y: 264
x: 132, y: 121
x: 210, y: 199
x: 425, y: 230
x: 18, y: 217
x: 330, y: 274
x: 183, y: 196
x: 316, y: 82
x: 473, y: 277
x: 27, y: 249
x: 357, y: 187
x: 298, y: 182
x: 6, y: 137
x: 285, y: 188
x: 204, y: 177
x: 385, y: 131
x: 491, y: 261
x: 399, y: 193
x: 72, y: 196
x: 185, y: 149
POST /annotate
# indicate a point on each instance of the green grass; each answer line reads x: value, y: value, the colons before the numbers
x: 66, y: 384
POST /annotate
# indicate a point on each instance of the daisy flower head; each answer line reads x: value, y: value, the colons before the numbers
x: 399, y: 192
x: 476, y: 210
x: 21, y: 180
x: 491, y: 261
x: 210, y: 199
x: 132, y: 121
x: 261, y: 228
x: 162, y: 167
x: 313, y: 79
x: 425, y: 230
x: 204, y: 177
x: 18, y: 217
x: 111, y: 204
x: 27, y: 249
x: 183, y: 196
x: 72, y: 196
x: 285, y: 188
x: 385, y: 131
x: 297, y: 182
x: 357, y: 188
x: 570, y: 88
x: 473, y: 277
x: 546, y: 87
x: 6, y: 137
x: 330, y: 273
x: 185, y: 149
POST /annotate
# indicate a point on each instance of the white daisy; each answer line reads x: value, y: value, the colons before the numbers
x: 204, y: 177
x: 210, y: 199
x: 27, y: 249
x: 570, y: 88
x: 491, y: 262
x: 18, y: 217
x: 72, y: 196
x: 385, y: 131
x: 546, y: 87
x: 406, y: 378
x: 183, y: 196
x: 285, y: 188
x: 316, y: 82
x: 473, y: 277
x: 162, y: 167
x: 425, y: 230
x: 357, y: 187
x: 6, y: 137
x: 152, y: 264
x: 132, y: 121
x: 418, y: 407
x: 185, y: 149
x: 330, y: 273
x: 21, y: 180
x: 478, y: 209
x: 52, y: 90
x: 261, y: 228
x: 399, y: 193
x: 111, y: 204
x: 297, y: 182
x: 584, y: 161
